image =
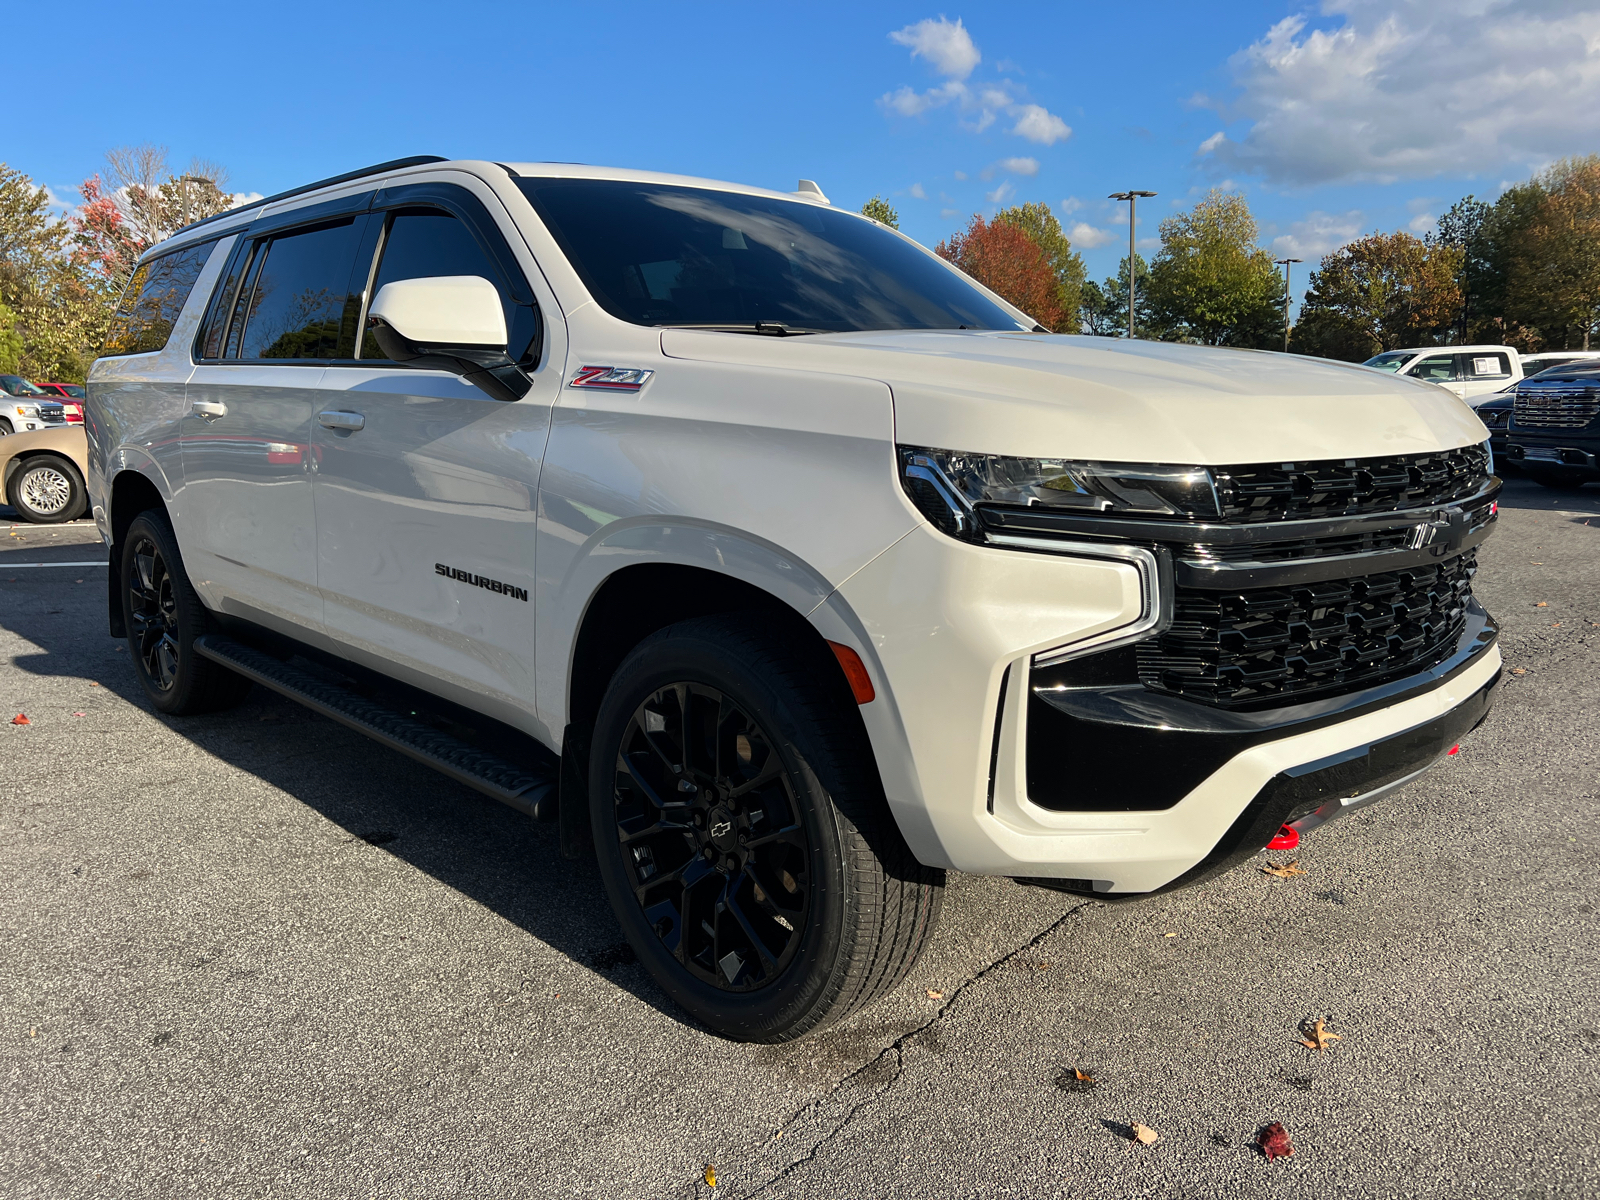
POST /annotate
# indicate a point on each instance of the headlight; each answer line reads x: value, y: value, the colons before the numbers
x: 947, y: 485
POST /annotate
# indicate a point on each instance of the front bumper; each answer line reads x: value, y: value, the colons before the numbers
x: 954, y: 631
x: 1568, y: 450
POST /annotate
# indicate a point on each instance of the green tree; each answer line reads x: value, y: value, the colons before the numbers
x: 10, y: 342
x: 1211, y: 283
x: 1553, y: 280
x: 879, y: 210
x: 1040, y: 224
x: 1105, y: 305
x: 1384, y: 291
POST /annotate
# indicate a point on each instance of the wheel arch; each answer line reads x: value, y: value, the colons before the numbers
x: 132, y: 492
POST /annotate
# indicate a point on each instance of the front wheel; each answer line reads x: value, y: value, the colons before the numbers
x: 164, y: 615
x: 742, y: 835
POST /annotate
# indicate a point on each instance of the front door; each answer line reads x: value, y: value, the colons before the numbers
x: 246, y: 438
x: 1438, y: 368
x: 426, y: 492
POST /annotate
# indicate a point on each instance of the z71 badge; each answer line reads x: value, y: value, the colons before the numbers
x: 611, y: 379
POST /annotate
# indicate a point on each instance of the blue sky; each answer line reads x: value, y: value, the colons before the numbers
x: 1335, y: 119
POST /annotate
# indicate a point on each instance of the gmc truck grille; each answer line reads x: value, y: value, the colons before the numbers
x: 1558, y: 406
x: 1255, y: 646
x: 1289, y: 491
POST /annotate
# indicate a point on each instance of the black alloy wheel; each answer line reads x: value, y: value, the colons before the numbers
x: 163, y: 615
x: 153, y: 614
x: 713, y: 844
x: 742, y: 833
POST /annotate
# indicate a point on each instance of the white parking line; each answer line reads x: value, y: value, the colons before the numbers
x: 5, y: 566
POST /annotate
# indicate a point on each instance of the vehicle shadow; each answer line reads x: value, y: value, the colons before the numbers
x: 1521, y: 492
x: 485, y: 851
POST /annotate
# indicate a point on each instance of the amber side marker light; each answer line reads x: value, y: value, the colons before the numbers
x: 856, y: 672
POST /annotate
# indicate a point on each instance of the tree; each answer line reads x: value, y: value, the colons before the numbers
x: 1105, y: 305
x: 1040, y: 224
x: 1211, y: 283
x: 1462, y: 226
x: 10, y: 342
x: 1554, y: 275
x: 1007, y: 261
x: 1389, y: 290
x: 878, y: 209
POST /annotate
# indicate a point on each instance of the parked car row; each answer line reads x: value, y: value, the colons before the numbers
x: 1475, y: 373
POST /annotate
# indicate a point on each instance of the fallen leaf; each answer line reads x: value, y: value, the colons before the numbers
x: 1274, y: 1142
x: 711, y: 1175
x: 1144, y: 1135
x: 1287, y: 871
x: 1169, y: 935
x: 935, y: 994
x: 1317, y: 1036
x: 1542, y: 604
x: 34, y: 1032
x: 19, y: 719
x: 1071, y: 1079
x: 92, y: 683
x: 1555, y: 624
x: 1519, y: 670
x: 82, y: 714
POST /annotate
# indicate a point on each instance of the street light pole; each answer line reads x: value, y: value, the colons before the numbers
x: 1133, y: 207
x: 1284, y: 263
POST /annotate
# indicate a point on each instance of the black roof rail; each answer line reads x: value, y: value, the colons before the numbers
x: 394, y: 164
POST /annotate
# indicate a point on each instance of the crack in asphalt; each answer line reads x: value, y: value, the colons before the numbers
x: 895, y: 1052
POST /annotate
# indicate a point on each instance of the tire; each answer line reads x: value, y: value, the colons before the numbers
x: 1563, y: 481
x: 47, y: 490
x: 5, y: 427
x: 811, y: 920
x: 163, y: 616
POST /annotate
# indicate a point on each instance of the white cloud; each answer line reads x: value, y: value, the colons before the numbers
x: 947, y: 213
x: 918, y: 192
x: 1407, y: 89
x: 1317, y: 234
x: 1019, y: 166
x: 1212, y: 142
x: 239, y: 198
x: 1422, y: 222
x: 1071, y: 204
x: 1038, y: 125
x: 1148, y: 243
x: 1087, y: 237
x: 1002, y: 193
x: 961, y: 174
x: 946, y: 46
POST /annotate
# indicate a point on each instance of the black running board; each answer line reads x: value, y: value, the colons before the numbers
x: 526, y: 791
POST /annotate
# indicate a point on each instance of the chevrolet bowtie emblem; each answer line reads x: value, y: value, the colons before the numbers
x: 1444, y: 533
x: 721, y: 829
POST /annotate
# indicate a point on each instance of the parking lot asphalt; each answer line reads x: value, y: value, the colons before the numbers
x: 256, y: 955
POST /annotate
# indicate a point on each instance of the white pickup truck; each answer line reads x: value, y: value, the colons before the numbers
x: 811, y: 568
x: 1472, y: 372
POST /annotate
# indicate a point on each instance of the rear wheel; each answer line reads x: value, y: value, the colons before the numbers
x: 47, y: 490
x: 742, y: 836
x: 164, y: 615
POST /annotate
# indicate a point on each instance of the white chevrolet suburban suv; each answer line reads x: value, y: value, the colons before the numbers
x: 779, y: 562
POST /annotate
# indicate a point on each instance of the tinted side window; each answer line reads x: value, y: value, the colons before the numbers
x: 1485, y: 366
x: 156, y: 295
x: 1439, y: 368
x: 426, y: 244
x: 299, y: 303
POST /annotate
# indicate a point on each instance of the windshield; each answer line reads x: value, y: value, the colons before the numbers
x: 75, y: 390
x: 18, y: 386
x: 1391, y: 361
x: 655, y: 254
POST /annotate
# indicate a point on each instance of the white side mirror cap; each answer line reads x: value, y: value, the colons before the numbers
x: 448, y: 310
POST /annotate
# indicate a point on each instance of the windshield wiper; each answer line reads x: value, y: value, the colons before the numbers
x: 770, y: 328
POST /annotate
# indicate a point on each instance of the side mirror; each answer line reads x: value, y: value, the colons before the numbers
x: 448, y: 323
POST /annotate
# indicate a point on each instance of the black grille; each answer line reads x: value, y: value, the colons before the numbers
x: 1256, y: 646
x: 1347, y: 487
x: 1563, y: 405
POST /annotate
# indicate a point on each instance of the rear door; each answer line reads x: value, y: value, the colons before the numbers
x: 283, y: 312
x: 1481, y: 372
x: 426, y: 487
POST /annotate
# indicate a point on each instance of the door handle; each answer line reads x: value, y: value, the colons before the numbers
x: 209, y: 410
x: 337, y: 419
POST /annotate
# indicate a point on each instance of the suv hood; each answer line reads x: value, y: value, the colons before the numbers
x: 1047, y: 395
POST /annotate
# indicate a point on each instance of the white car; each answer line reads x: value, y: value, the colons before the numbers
x: 820, y: 569
x: 25, y: 407
x: 1472, y: 372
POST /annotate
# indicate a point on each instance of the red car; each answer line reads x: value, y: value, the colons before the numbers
x: 72, y: 398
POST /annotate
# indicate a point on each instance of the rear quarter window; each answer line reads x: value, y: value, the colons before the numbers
x: 155, y: 296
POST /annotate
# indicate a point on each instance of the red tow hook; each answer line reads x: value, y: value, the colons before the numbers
x: 1452, y: 750
x: 1287, y: 839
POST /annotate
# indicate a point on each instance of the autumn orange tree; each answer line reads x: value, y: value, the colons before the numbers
x: 1381, y: 292
x: 1002, y: 257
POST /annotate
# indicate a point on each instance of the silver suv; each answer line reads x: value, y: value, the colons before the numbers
x: 808, y: 568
